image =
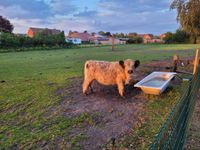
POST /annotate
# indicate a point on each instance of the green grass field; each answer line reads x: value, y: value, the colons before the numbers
x: 28, y: 81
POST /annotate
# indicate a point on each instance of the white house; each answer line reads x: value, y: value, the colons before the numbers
x: 73, y: 40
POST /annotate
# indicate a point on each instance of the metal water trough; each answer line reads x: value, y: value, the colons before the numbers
x: 156, y: 82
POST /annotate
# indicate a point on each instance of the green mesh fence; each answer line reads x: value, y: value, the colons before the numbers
x: 172, y: 134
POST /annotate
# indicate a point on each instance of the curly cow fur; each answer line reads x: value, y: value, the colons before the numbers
x: 109, y: 73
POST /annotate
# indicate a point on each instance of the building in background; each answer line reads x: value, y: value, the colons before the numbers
x: 33, y: 31
x: 84, y: 36
x: 162, y: 36
x: 73, y: 40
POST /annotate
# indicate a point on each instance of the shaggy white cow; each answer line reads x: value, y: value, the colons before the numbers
x: 109, y: 73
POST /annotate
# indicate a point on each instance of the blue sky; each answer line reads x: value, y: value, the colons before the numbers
x: 141, y: 16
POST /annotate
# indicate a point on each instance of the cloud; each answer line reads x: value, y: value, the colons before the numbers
x: 12, y: 11
x: 142, y: 16
x: 22, y: 25
x: 33, y: 8
x: 70, y: 24
x: 134, y: 6
x: 62, y: 7
x: 86, y: 13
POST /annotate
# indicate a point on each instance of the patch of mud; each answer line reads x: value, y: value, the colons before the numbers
x: 112, y: 115
x: 115, y: 116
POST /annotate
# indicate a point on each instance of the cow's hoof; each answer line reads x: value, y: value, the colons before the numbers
x: 124, y: 97
x: 86, y: 94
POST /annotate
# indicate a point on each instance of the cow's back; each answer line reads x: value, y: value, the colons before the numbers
x: 102, y: 71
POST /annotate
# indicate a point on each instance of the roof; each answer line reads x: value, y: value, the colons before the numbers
x: 140, y: 35
x: 83, y: 36
x: 151, y: 35
x: 50, y: 31
x: 162, y: 36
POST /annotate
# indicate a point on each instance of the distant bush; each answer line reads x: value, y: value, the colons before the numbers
x: 135, y: 40
x: 9, y: 40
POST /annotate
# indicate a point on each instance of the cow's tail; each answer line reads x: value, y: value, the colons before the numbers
x: 86, y: 67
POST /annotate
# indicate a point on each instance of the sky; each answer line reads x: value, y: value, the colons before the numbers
x: 141, y: 16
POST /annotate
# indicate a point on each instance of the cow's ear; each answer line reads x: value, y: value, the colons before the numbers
x: 137, y: 63
x: 121, y: 62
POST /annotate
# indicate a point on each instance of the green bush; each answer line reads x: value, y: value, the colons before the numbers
x: 179, y: 37
x: 135, y: 40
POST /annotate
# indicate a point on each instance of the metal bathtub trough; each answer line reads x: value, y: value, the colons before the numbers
x: 156, y: 82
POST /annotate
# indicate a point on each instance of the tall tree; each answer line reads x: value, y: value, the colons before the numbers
x: 188, y: 16
x: 5, y: 25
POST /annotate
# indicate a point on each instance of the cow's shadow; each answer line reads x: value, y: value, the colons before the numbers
x: 111, y: 91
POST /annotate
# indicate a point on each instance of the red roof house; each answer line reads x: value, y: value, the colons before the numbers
x: 162, y: 36
x: 148, y: 36
x: 33, y: 31
x: 85, y: 36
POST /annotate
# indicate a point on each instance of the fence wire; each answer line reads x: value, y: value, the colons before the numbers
x: 172, y: 134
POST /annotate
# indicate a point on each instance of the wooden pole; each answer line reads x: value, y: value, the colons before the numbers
x: 113, y: 43
x: 196, y: 61
x: 175, y: 63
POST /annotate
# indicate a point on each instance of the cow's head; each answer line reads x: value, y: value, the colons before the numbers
x: 129, y: 67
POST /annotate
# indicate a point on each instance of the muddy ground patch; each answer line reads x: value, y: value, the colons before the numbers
x: 112, y: 117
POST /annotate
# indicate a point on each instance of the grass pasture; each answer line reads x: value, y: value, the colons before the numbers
x: 28, y: 84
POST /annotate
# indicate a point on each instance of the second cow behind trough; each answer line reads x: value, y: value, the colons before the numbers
x: 109, y: 73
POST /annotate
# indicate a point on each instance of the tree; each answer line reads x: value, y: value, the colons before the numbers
x: 119, y: 35
x: 188, y: 16
x: 169, y: 38
x: 108, y: 34
x: 5, y: 25
x: 104, y: 33
x: 135, y: 40
x: 9, y: 40
x: 179, y: 37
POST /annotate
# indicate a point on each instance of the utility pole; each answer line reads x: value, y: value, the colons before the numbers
x: 113, y: 42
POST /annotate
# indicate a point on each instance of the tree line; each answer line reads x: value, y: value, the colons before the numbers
x: 41, y: 39
x: 9, y: 40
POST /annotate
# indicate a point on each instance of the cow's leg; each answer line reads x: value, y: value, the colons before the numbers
x: 120, y: 86
x: 86, y: 85
x: 91, y: 89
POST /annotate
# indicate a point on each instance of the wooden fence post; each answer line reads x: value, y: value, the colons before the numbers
x: 175, y: 63
x: 196, y: 61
